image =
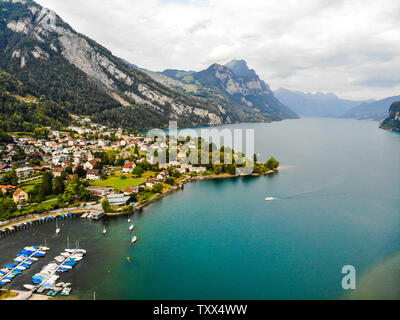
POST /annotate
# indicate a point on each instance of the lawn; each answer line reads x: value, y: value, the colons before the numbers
x: 44, y: 206
x: 27, y: 187
x: 118, y: 183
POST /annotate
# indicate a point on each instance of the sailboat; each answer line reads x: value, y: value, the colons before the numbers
x: 104, y: 230
x: 58, y: 230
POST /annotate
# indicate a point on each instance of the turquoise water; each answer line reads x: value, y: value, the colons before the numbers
x: 338, y: 204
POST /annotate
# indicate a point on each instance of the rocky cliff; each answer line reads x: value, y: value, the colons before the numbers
x: 240, y: 91
x: 393, y: 121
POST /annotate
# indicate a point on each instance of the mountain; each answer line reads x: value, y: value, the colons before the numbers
x: 393, y: 122
x: 23, y: 112
x: 377, y: 110
x: 234, y: 87
x: 315, y: 105
x: 86, y: 78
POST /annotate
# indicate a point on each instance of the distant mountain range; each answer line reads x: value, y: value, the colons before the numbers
x: 315, y: 105
x: 377, y: 110
x: 233, y: 87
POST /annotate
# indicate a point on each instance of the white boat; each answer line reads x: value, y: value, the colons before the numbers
x: 131, y: 227
x: 66, y: 291
x: 270, y: 199
x: 44, y: 248
x: 58, y: 230
x: 65, y: 254
x: 59, y: 259
x: 134, y: 239
x: 29, y: 286
x: 66, y: 267
x: 82, y: 251
x: 104, y: 230
x: 30, y: 249
x: 129, y: 220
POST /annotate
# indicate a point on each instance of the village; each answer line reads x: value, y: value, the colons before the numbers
x: 89, y: 163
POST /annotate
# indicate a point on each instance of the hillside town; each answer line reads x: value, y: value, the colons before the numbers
x: 89, y: 163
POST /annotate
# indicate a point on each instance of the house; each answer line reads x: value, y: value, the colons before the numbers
x: 93, y: 174
x: 198, y: 169
x: 118, y: 199
x: 90, y: 165
x: 3, y: 167
x: 130, y: 190
x: 128, y: 168
x: 24, y: 172
x: 100, y: 191
x: 163, y: 175
x: 57, y: 172
x: 7, y: 158
x: 6, y: 189
x: 20, y: 196
x: 151, y: 182
x: 169, y: 165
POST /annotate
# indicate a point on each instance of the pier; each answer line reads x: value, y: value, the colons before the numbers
x: 23, y: 265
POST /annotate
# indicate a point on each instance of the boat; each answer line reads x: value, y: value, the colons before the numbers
x: 270, y: 199
x: 131, y: 227
x: 58, y: 230
x: 134, y: 239
x: 66, y: 291
x: 59, y: 259
x: 29, y: 286
x: 104, y: 230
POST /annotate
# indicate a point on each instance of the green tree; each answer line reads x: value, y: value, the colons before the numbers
x: 106, y: 205
x: 138, y: 171
x: 8, y: 208
x: 59, y: 185
x: 47, y: 183
x: 157, y: 188
x: 272, y: 164
x: 41, y: 133
x: 10, y: 177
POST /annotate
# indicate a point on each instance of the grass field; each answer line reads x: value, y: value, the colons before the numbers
x: 30, y: 185
x: 118, y: 183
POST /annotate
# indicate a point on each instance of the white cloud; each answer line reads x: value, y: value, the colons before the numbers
x: 348, y: 47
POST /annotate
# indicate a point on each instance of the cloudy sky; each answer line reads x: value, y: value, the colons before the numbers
x: 348, y: 47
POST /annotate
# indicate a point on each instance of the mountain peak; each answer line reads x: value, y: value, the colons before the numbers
x: 241, y: 69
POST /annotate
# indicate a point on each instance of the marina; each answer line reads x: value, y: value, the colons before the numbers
x: 25, y: 258
x: 47, y: 278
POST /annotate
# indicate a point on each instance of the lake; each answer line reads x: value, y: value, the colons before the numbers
x: 337, y: 204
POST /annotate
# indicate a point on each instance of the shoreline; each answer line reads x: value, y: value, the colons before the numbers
x: 6, y: 225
